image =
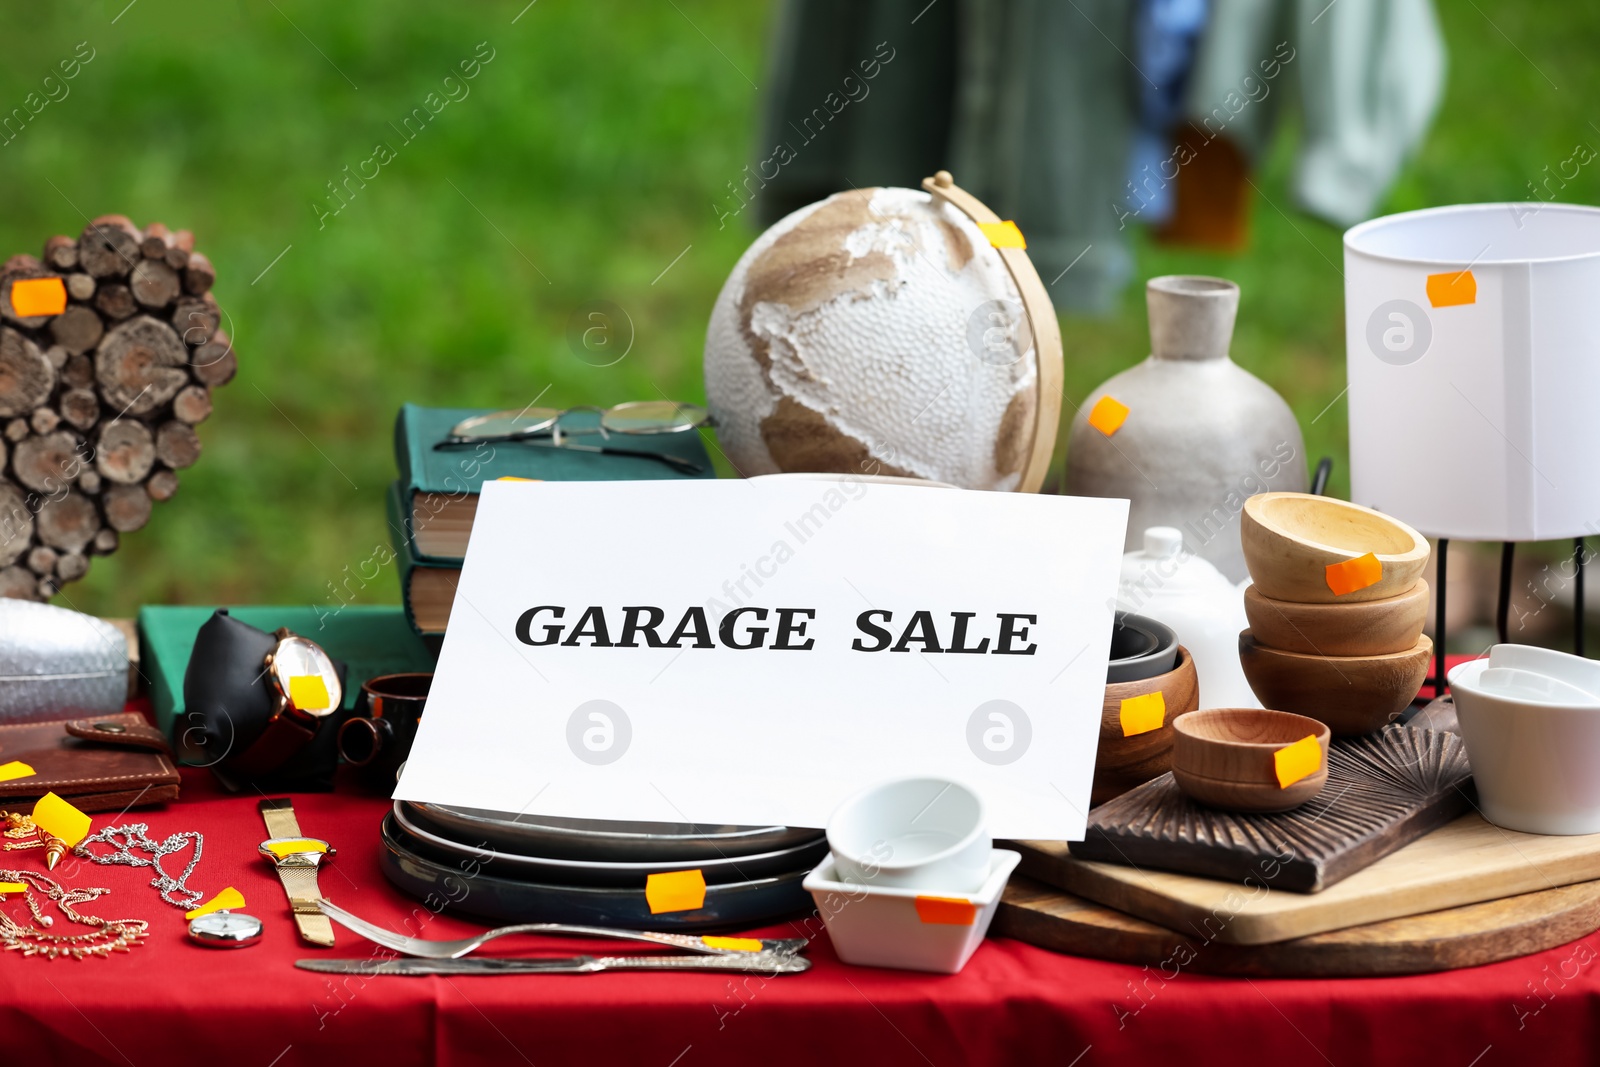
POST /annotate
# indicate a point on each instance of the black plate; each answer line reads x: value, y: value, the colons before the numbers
x: 601, y: 839
x: 462, y: 889
x: 422, y: 838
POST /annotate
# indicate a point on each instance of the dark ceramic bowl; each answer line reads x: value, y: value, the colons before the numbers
x: 1141, y: 648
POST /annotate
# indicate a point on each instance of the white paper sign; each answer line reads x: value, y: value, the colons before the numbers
x: 752, y: 652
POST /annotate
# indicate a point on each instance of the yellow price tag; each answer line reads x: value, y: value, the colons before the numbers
x: 12, y: 887
x: 10, y: 772
x: 227, y: 900
x: 675, y: 891
x: 1452, y: 289
x: 59, y: 819
x: 1141, y: 714
x: 1003, y: 234
x: 734, y: 944
x: 1299, y: 760
x: 1354, y: 574
x: 309, y: 692
x: 38, y: 296
x: 1108, y: 415
x: 294, y: 845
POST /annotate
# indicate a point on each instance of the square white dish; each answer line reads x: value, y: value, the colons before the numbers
x: 910, y: 929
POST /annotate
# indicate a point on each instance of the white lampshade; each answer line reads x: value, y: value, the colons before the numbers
x: 1472, y: 339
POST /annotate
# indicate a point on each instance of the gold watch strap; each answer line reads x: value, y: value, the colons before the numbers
x: 300, y: 883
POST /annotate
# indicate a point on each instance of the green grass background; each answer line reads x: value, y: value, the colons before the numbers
x: 588, y: 155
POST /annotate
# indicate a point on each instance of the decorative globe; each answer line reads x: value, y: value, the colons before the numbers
x: 876, y: 332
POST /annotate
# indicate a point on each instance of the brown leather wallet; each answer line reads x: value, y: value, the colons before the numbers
x: 104, y: 763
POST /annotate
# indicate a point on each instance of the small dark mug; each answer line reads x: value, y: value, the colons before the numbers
x: 378, y: 737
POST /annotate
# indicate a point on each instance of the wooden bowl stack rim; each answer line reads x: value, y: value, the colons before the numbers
x: 1261, y: 504
x: 1423, y: 646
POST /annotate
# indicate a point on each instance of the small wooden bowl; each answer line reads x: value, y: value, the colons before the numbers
x: 1124, y: 762
x: 1352, y: 694
x: 1290, y: 540
x: 1362, y: 628
x: 1224, y: 757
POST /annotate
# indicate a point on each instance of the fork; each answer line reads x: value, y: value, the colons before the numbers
x: 449, y: 950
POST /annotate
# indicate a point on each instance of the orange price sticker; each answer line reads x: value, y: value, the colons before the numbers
x: 1299, y: 760
x: 1144, y: 713
x: 15, y: 769
x: 1354, y: 574
x: 1452, y: 289
x: 1108, y: 415
x: 309, y: 692
x: 227, y: 900
x: 1003, y: 234
x: 946, y: 911
x: 38, y: 296
x: 734, y: 944
x: 675, y: 891
x: 59, y: 819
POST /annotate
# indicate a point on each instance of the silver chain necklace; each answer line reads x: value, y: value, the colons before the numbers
x: 136, y: 835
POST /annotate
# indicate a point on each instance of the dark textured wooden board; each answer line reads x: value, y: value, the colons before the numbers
x: 1446, y: 940
x: 1467, y: 862
x: 1384, y: 791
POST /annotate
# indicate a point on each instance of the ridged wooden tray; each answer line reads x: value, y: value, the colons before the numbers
x: 1384, y: 791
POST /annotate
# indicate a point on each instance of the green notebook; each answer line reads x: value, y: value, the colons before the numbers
x: 439, y: 488
x: 462, y: 470
x: 371, y: 639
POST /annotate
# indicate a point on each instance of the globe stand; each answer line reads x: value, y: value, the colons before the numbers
x: 1041, y: 314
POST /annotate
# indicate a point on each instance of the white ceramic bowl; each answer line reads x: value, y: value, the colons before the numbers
x: 912, y: 833
x: 1578, y: 671
x: 1512, y: 683
x: 1536, y: 761
x: 878, y: 926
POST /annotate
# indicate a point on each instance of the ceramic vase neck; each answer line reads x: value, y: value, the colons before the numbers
x: 1191, y: 316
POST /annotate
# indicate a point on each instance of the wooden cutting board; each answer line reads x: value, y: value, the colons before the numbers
x: 1384, y: 791
x: 1466, y: 862
x: 1437, y: 941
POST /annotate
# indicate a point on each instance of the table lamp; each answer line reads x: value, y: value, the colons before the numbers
x: 1472, y: 338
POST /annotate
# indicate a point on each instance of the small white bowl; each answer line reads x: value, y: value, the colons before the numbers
x: 1577, y: 671
x: 879, y: 926
x: 1536, y: 761
x: 916, y: 833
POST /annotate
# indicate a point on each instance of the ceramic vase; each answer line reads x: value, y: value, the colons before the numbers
x: 1187, y: 435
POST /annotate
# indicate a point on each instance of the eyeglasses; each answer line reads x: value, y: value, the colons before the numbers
x: 553, y: 428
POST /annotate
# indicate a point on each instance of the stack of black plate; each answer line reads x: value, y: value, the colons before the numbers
x: 535, y: 868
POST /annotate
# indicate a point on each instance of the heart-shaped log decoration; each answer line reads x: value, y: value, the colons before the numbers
x: 110, y: 346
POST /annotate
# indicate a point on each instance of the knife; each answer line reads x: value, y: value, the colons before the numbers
x: 752, y: 962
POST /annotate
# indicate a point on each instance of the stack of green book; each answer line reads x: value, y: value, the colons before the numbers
x: 434, y: 501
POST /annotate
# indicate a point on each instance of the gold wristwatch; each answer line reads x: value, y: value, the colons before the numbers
x: 297, y: 859
x: 305, y: 691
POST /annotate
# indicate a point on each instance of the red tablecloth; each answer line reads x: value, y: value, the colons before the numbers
x: 170, y: 1002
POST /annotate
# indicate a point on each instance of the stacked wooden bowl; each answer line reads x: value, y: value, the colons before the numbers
x: 1336, y: 610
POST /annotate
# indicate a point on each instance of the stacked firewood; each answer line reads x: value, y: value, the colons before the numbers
x: 99, y: 398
